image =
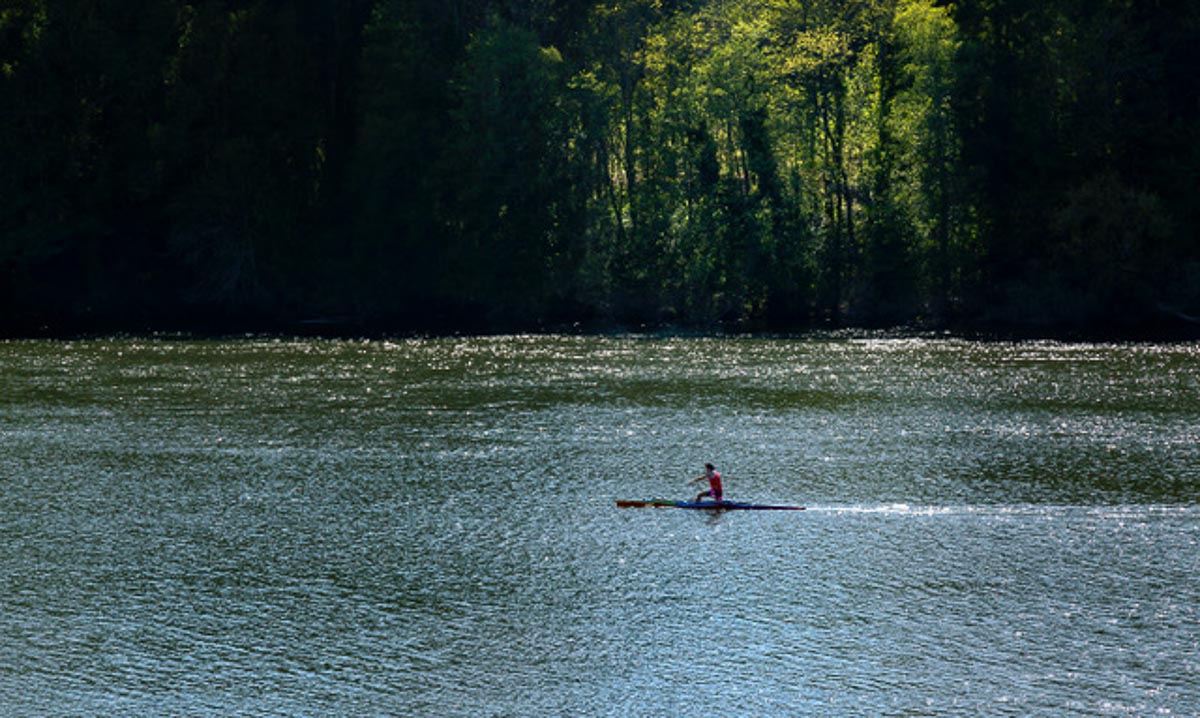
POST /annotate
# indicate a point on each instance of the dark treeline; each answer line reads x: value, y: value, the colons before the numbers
x: 419, y: 164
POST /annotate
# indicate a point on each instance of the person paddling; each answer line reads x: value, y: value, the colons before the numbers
x: 714, y: 483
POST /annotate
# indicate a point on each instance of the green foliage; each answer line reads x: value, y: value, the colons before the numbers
x: 754, y: 162
x: 391, y: 244
x: 506, y: 185
x: 1112, y: 249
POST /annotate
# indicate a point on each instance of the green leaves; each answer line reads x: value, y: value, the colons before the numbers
x: 755, y: 162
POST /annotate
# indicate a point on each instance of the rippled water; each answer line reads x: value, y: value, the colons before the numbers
x: 428, y: 528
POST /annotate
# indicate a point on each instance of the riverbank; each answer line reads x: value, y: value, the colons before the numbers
x: 1165, y: 327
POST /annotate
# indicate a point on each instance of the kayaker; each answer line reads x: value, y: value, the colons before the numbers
x: 714, y: 483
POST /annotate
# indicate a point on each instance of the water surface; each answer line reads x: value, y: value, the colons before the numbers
x: 427, y: 528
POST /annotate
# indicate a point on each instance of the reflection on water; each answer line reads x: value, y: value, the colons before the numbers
x: 428, y: 527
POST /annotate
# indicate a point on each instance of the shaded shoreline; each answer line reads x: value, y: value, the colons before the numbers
x: 341, y: 327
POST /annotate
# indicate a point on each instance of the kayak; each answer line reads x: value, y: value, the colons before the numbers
x: 710, y: 505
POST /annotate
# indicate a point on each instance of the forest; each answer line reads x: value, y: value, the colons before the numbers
x: 478, y: 165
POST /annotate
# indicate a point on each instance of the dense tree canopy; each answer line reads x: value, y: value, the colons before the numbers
x: 466, y: 164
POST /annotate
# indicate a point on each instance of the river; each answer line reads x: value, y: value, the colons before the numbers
x: 427, y: 527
